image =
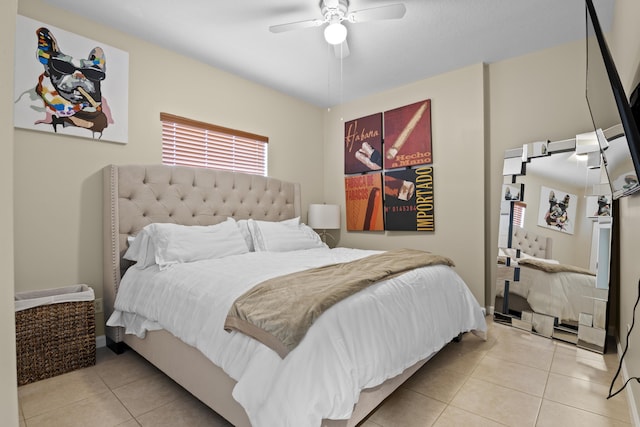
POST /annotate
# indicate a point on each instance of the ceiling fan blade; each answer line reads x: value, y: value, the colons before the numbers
x: 392, y: 11
x: 296, y: 25
x: 341, y: 50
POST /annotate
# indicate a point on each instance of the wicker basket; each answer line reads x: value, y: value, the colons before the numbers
x: 56, y: 337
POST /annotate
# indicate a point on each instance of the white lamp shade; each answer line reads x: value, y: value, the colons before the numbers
x: 324, y: 217
x: 335, y: 33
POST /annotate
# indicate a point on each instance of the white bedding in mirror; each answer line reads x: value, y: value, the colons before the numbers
x: 562, y: 295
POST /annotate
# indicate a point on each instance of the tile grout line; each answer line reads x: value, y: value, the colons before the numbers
x: 117, y: 398
x: 546, y: 384
x: 66, y: 405
x: 466, y: 380
x: 124, y: 406
x: 572, y: 406
x: 112, y: 391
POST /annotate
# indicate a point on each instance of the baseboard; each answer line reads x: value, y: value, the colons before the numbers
x: 101, y: 341
x: 633, y: 409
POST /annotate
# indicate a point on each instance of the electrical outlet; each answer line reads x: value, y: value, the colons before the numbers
x: 97, y: 304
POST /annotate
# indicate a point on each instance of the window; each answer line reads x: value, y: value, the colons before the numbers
x: 189, y: 142
x: 519, y: 209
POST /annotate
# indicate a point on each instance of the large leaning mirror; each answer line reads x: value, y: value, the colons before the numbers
x: 554, y: 241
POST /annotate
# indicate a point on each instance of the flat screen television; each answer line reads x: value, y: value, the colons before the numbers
x: 611, y: 114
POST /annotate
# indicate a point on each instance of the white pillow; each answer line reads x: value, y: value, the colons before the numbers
x: 166, y: 243
x: 547, y: 260
x: 243, y: 225
x: 283, y: 236
x: 511, y: 252
x: 180, y: 243
x: 141, y: 249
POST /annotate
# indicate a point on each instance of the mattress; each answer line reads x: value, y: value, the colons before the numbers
x: 358, y: 343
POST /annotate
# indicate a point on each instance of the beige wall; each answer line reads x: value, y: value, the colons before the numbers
x: 8, y: 391
x: 629, y: 287
x: 58, y: 178
x: 625, y: 48
x: 535, y: 97
x: 457, y: 105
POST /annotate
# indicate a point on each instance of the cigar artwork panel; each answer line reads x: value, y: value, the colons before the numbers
x: 69, y: 84
x: 407, y: 135
x: 408, y: 199
x: 364, y: 202
x: 363, y: 144
x: 388, y: 157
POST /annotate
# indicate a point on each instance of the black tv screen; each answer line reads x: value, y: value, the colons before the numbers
x: 613, y: 121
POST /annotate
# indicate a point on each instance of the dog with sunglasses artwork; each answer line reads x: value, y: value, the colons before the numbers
x: 69, y: 88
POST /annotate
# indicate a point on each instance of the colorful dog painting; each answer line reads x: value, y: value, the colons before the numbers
x: 68, y: 93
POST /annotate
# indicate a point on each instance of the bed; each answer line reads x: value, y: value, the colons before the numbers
x: 136, y: 196
x: 539, y: 284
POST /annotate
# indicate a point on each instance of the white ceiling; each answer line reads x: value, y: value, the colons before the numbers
x: 435, y: 36
x: 564, y: 168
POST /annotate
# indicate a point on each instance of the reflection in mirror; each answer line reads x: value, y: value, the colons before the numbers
x: 610, y: 112
x: 618, y: 161
x: 554, y: 241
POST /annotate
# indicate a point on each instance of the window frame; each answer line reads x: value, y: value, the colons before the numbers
x: 200, y: 144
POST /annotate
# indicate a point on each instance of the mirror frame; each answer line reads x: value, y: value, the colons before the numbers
x: 589, y: 331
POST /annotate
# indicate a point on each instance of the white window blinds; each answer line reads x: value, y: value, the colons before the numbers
x: 189, y: 142
x: 519, y: 209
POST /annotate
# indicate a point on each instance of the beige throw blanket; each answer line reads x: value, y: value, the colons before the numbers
x: 552, y: 268
x: 279, y: 311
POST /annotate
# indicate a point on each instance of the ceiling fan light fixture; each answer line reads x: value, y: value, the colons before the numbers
x: 335, y: 33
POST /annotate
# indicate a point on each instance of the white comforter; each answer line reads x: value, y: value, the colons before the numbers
x: 560, y: 295
x: 358, y: 343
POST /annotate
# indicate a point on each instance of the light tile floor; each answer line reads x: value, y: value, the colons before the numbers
x: 514, y: 379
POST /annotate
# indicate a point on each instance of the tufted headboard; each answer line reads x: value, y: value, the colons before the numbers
x: 531, y: 244
x: 137, y: 195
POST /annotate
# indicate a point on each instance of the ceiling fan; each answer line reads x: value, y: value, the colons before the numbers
x: 334, y: 12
